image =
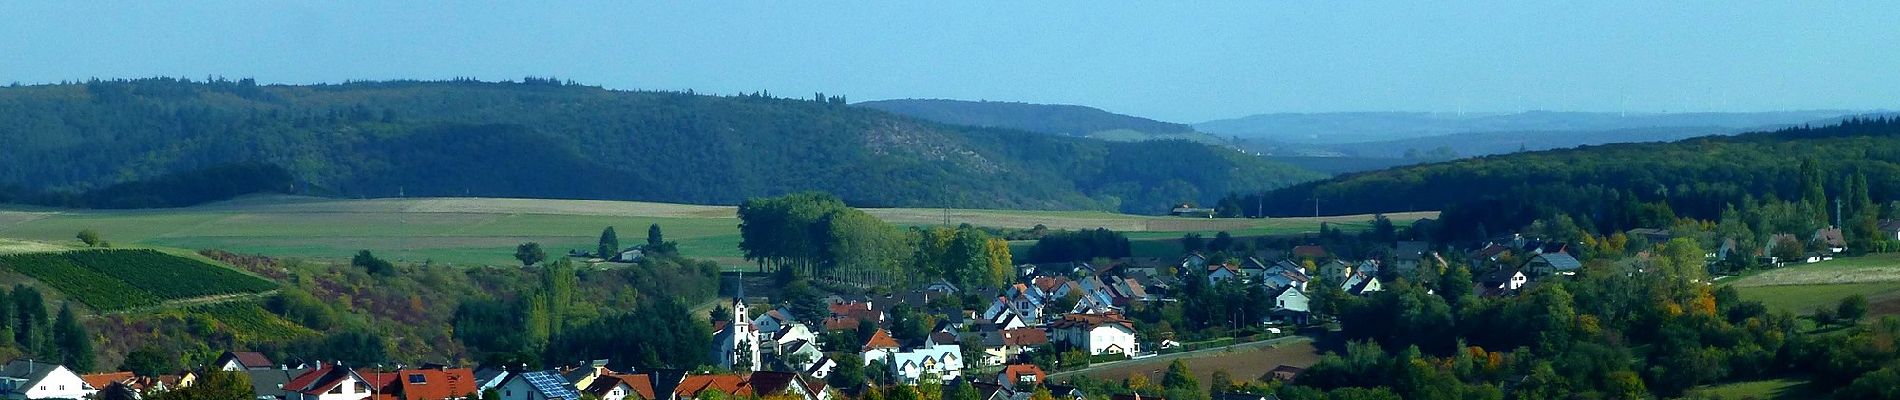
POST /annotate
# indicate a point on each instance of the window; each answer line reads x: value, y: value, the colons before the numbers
x: 337, y: 390
x: 417, y: 379
x: 62, y: 387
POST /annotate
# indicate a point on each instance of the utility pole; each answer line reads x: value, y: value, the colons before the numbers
x: 1316, y: 206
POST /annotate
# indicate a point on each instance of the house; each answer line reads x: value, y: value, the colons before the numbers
x: 992, y: 391
x: 942, y: 286
x: 769, y: 323
x: 1097, y: 334
x: 1221, y: 272
x: 1362, y: 284
x: 124, y: 382
x: 944, y: 361
x: 1335, y: 271
x: 1193, y: 261
x: 790, y: 333
x: 489, y: 378
x: 735, y: 342
x: 1831, y: 237
x: 1002, y: 345
x: 878, y: 346
x: 585, y: 373
x: 754, y: 385
x: 1283, y: 373
x: 1126, y: 291
x: 243, y: 360
x: 799, y: 354
x: 630, y: 255
x: 1547, y: 264
x: 696, y: 386
x: 1026, y: 301
x: 1290, y: 306
x: 1309, y: 252
x: 1728, y: 248
x: 1408, y: 255
x: 1500, y: 282
x: 437, y: 384
x: 822, y: 368
x: 28, y: 379
x: 332, y: 382
x: 269, y: 384
x: 622, y: 387
x: 1021, y: 375
x: 169, y: 381
x: 537, y: 385
x: 1890, y: 228
x: 770, y: 384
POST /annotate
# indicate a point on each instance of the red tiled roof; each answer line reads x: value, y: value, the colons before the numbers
x: 692, y: 386
x: 640, y: 384
x: 1050, y: 284
x: 101, y: 381
x: 302, y: 382
x: 880, y: 340
x: 1014, y: 373
x: 1025, y: 337
x: 436, y: 384
x: 848, y: 307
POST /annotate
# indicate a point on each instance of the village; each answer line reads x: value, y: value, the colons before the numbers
x: 1050, y: 317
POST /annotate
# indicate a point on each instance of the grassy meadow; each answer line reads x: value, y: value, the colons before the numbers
x: 1801, y: 288
x: 478, y: 231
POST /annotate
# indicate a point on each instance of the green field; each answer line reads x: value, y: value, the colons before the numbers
x: 113, y: 280
x: 1762, y: 390
x: 1801, y: 288
x: 482, y: 231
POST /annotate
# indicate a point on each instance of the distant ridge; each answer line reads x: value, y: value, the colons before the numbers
x: 1058, y: 119
x: 543, y: 138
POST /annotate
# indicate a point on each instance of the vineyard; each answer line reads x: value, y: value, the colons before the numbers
x: 249, y: 321
x: 113, y: 280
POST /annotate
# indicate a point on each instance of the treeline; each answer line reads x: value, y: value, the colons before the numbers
x: 1613, y: 188
x: 180, y: 189
x: 27, y: 332
x: 816, y: 235
x: 549, y: 139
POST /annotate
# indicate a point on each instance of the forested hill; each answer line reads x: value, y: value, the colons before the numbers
x: 1056, y: 119
x: 1620, y: 186
x: 547, y: 139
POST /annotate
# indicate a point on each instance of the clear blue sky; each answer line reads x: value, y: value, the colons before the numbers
x: 1178, y: 63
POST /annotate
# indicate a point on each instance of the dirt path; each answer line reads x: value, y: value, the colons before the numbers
x: 198, y: 301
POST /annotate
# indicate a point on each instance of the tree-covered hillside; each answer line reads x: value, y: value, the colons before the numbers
x: 547, y: 139
x: 1057, y: 119
x: 1617, y: 187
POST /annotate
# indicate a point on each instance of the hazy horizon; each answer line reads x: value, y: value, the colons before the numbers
x: 1176, y: 64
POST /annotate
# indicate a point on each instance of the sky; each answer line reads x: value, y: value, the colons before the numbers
x: 1182, y: 63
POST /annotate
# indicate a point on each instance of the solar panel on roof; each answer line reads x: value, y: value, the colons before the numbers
x: 552, y: 384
